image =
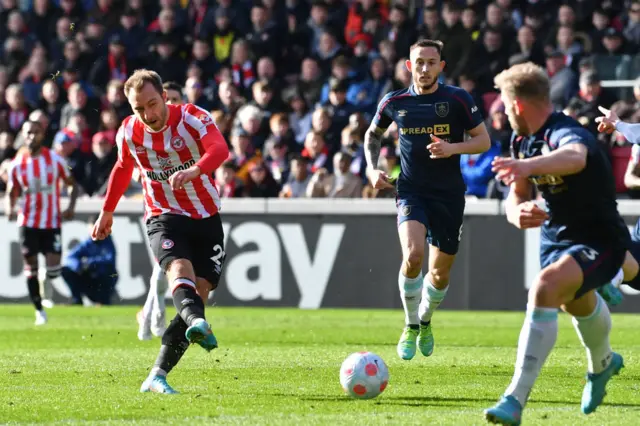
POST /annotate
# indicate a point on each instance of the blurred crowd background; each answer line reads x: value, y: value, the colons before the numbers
x: 293, y: 84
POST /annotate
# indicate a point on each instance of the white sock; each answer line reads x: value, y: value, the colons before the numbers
x: 537, y: 337
x: 157, y: 371
x: 593, y: 331
x: 160, y: 282
x: 410, y: 292
x: 431, y: 299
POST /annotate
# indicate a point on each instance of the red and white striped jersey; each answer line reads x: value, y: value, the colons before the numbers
x: 158, y: 155
x: 38, y: 177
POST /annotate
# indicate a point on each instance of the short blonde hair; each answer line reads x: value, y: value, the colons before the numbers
x: 140, y: 77
x: 526, y: 81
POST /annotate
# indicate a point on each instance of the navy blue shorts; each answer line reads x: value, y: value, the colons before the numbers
x: 443, y: 219
x: 599, y: 262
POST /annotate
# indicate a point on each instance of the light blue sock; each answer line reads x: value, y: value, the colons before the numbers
x: 537, y: 338
x: 431, y: 299
x: 410, y: 292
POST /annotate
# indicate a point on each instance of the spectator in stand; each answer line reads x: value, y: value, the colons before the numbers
x: 476, y: 170
x: 174, y: 93
x: 632, y: 29
x: 563, y: 80
x: 498, y: 126
x: 260, y: 183
x: 584, y: 106
x: 228, y: 184
x: 316, y: 151
x: 51, y: 103
x: 17, y: 110
x: 341, y: 184
x: 298, y: 180
x: 300, y: 117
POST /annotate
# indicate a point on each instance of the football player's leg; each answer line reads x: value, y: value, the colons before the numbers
x: 554, y: 286
x: 592, y: 322
x: 144, y: 315
x: 412, y: 235
x: 33, y: 286
x: 53, y: 252
x: 434, y: 292
x: 159, y: 285
x: 174, y: 346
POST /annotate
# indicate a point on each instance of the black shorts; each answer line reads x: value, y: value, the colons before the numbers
x: 443, y: 219
x: 599, y: 262
x: 34, y: 241
x: 200, y: 241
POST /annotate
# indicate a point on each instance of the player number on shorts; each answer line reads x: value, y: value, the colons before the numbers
x: 218, y: 254
x: 590, y: 254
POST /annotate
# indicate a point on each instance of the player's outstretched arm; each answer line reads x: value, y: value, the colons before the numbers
x: 610, y: 122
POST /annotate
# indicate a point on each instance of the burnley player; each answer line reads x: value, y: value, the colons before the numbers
x: 583, y: 239
x: 36, y: 173
x: 175, y: 148
x: 151, y: 318
x: 432, y: 120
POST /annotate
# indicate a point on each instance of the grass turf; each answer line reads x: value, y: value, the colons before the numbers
x: 280, y: 366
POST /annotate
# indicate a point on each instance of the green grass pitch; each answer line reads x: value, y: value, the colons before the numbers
x: 280, y: 366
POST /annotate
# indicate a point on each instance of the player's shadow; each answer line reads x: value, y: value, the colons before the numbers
x: 415, y: 401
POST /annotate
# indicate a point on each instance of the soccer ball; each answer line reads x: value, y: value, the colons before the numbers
x: 364, y: 375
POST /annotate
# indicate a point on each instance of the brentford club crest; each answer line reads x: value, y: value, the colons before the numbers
x: 178, y: 143
x: 164, y: 162
x: 206, y: 119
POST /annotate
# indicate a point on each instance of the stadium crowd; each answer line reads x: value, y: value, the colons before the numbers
x: 293, y: 84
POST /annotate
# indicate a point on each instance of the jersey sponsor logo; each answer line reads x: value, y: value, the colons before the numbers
x: 166, y: 244
x: 178, y: 143
x: 437, y: 130
x: 164, y: 162
x: 402, y: 113
x: 36, y: 187
x: 547, y: 180
x: 442, y: 108
x: 166, y: 174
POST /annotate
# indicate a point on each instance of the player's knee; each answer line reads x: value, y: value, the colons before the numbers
x: 545, y: 291
x: 439, y: 277
x: 180, y: 268
x: 54, y: 272
x: 413, y: 261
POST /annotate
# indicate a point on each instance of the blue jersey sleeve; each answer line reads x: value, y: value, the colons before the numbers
x: 470, y: 113
x: 567, y: 136
x: 384, y: 113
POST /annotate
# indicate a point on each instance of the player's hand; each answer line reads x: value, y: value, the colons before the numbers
x: 607, y: 123
x: 509, y: 170
x: 68, y: 214
x: 182, y: 177
x: 440, y: 148
x: 528, y: 215
x: 379, y: 179
x: 102, y: 227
